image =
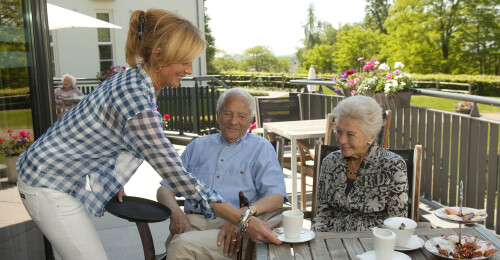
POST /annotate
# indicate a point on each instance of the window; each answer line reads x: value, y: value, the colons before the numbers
x: 105, y: 45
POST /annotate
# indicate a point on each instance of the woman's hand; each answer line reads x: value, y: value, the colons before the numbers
x: 232, y: 239
x: 120, y: 194
x: 259, y: 231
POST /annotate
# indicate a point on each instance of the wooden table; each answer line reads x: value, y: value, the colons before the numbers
x: 294, y: 130
x: 340, y: 246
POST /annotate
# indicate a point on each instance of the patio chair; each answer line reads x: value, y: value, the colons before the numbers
x: 413, y: 159
x: 383, y: 136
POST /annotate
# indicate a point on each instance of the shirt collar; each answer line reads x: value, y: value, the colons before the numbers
x: 222, y: 141
x: 146, y: 79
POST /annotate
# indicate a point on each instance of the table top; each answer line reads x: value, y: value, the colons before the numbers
x: 298, y: 129
x: 332, y: 245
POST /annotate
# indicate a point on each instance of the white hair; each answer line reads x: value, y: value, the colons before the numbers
x: 240, y: 93
x: 363, y: 108
x: 73, y: 79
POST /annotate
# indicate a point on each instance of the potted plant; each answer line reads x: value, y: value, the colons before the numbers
x: 463, y: 107
x: 391, y: 88
x: 12, y: 148
x: 113, y: 70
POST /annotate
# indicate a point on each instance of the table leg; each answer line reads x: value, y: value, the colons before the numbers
x: 265, y: 133
x: 147, y: 240
x: 293, y: 162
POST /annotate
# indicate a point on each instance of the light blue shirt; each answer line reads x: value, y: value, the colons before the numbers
x: 249, y: 165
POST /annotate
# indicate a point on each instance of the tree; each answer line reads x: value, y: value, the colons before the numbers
x: 321, y: 56
x: 312, y: 29
x: 210, y: 52
x: 224, y: 62
x: 376, y: 13
x: 354, y: 42
x: 260, y: 58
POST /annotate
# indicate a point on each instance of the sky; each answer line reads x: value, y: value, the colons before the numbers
x: 240, y: 24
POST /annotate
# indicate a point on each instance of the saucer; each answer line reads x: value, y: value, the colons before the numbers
x: 305, y: 235
x: 415, y: 242
x: 370, y: 255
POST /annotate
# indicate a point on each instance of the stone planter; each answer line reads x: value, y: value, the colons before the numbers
x: 10, y: 162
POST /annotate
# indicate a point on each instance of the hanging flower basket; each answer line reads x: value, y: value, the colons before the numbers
x: 394, y: 100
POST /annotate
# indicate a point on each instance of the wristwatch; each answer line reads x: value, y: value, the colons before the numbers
x: 253, y: 209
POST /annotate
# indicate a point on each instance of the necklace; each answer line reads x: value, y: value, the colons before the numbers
x: 351, y: 172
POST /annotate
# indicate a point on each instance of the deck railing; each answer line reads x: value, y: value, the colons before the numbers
x: 191, y: 105
x: 455, y: 147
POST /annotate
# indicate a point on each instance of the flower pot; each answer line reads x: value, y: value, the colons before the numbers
x: 399, y: 100
x: 463, y: 111
x: 10, y: 162
x: 347, y: 91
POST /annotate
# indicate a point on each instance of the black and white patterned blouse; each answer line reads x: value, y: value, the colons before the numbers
x: 380, y: 191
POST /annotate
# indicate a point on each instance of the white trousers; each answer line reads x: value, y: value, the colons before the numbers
x: 64, y: 221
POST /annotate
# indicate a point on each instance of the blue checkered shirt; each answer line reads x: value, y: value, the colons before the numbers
x: 104, y: 139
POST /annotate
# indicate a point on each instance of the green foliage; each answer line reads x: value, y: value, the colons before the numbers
x: 321, y: 56
x: 354, y: 42
x: 211, y: 50
x: 261, y: 58
x: 376, y: 13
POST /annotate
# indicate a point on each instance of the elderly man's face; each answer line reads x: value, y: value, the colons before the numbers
x: 234, y: 118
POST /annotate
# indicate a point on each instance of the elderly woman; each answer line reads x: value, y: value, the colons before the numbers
x: 361, y: 184
x: 87, y: 156
x: 65, y: 93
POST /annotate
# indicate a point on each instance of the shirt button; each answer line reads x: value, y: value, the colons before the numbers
x: 241, y: 172
x: 218, y: 177
x: 221, y: 160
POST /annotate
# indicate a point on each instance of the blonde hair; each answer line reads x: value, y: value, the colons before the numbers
x: 179, y: 40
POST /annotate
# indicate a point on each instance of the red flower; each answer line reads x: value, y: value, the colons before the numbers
x: 24, y: 134
x: 166, y: 116
x: 15, y: 136
x: 1, y: 139
x: 10, y: 131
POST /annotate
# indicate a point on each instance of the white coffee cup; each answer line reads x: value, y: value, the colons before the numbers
x: 403, y: 232
x: 292, y: 223
x: 384, y: 242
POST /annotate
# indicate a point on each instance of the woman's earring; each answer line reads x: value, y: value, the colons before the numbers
x: 158, y: 69
x: 369, y: 143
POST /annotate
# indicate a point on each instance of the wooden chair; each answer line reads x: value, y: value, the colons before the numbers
x: 413, y: 159
x: 383, y: 137
x: 305, y: 155
x: 276, y: 109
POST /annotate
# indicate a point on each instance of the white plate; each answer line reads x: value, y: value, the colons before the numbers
x: 415, y: 242
x: 370, y: 255
x: 305, y: 235
x: 440, y: 213
x: 430, y: 246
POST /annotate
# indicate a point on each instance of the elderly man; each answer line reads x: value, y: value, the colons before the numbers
x: 229, y: 162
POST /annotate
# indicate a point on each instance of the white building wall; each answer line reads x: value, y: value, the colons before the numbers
x: 76, y: 50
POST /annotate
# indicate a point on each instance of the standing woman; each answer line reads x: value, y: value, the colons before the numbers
x: 86, y: 157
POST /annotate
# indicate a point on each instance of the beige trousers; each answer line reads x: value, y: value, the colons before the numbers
x: 198, y: 244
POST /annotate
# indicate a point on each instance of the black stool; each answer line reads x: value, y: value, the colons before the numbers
x: 141, y: 211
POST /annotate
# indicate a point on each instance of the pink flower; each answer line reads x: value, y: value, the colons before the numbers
x: 388, y: 77
x: 361, y: 59
x: 350, y: 83
x: 252, y: 126
x: 15, y: 136
x: 23, y: 134
x: 10, y: 131
x: 373, y: 60
x: 396, y: 72
x: 353, y: 92
x: 1, y: 139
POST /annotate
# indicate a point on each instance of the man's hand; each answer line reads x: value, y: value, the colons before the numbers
x: 231, y: 238
x: 179, y: 223
x: 259, y: 231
